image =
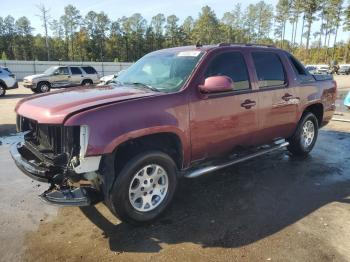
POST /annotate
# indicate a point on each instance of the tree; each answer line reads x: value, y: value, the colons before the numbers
x: 70, y: 20
x: 264, y: 19
x: 45, y: 19
x: 346, y: 28
x: 172, y: 30
x: 206, y: 28
x: 24, y: 41
x: 157, y: 24
x: 281, y: 17
x: 9, y: 33
x: 310, y: 8
x: 187, y: 28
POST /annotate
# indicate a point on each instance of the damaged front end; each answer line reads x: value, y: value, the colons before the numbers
x: 56, y: 154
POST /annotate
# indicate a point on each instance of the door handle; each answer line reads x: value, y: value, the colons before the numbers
x: 68, y: 76
x: 287, y: 97
x: 247, y: 104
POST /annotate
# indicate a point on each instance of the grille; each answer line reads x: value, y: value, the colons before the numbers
x: 49, y: 139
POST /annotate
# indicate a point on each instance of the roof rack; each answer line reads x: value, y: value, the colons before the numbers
x: 245, y: 44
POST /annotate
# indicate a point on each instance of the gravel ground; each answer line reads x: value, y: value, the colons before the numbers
x: 272, y: 208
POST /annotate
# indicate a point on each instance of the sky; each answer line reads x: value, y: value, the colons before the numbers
x: 118, y: 8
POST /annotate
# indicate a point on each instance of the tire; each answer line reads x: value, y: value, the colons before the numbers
x: 2, y: 90
x: 305, y: 136
x: 43, y: 87
x: 87, y: 82
x: 35, y: 90
x: 136, y: 202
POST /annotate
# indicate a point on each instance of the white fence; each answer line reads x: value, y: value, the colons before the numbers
x: 25, y: 68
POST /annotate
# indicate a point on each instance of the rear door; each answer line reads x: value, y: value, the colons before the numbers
x: 277, y: 101
x: 221, y: 121
x: 76, y: 75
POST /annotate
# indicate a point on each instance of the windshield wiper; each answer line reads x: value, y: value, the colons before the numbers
x: 143, y: 85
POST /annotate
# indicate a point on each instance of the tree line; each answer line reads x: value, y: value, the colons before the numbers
x: 97, y: 37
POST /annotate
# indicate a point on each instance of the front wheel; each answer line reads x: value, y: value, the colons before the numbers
x: 43, y: 87
x: 144, y: 187
x: 305, y: 136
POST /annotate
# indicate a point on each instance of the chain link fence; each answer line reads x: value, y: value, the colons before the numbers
x: 24, y: 68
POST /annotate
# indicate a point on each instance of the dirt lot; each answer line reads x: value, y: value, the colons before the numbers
x: 272, y: 208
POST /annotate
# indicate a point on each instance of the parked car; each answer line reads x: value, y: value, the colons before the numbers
x: 344, y: 70
x: 7, y: 80
x: 108, y: 78
x: 61, y: 76
x: 179, y: 112
x: 312, y: 69
x: 323, y: 69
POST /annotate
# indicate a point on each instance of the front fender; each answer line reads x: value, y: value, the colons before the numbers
x: 111, y: 125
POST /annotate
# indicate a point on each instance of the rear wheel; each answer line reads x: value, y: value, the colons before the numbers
x: 2, y: 90
x: 144, y: 187
x: 87, y: 82
x: 304, y: 138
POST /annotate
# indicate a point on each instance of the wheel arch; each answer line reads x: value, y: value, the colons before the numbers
x: 3, y: 84
x: 317, y: 109
x: 167, y: 142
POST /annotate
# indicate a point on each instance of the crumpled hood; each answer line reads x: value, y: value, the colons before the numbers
x: 32, y: 77
x: 54, y: 107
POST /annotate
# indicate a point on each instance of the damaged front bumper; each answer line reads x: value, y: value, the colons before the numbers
x: 61, y: 191
x: 31, y: 168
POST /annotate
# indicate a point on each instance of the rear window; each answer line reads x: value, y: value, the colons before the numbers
x: 269, y: 69
x: 89, y: 70
x: 75, y: 71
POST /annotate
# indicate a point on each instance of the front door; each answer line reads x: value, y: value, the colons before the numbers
x: 61, y: 77
x: 221, y: 121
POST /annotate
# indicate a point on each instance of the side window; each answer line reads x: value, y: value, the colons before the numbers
x: 63, y: 71
x: 75, y: 71
x: 89, y: 70
x: 297, y: 67
x: 300, y: 71
x: 269, y: 69
x: 232, y: 65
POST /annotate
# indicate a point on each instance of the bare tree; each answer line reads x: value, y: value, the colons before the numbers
x: 45, y: 19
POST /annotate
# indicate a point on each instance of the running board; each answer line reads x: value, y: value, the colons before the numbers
x: 80, y: 196
x: 204, y: 170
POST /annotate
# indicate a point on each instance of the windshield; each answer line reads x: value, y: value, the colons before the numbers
x: 164, y: 71
x: 50, y: 70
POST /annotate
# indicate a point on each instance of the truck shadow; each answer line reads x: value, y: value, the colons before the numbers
x: 244, y: 203
x: 14, y: 96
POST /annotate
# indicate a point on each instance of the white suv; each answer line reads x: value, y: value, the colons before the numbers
x: 7, y: 80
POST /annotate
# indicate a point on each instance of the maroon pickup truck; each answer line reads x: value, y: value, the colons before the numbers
x: 179, y: 112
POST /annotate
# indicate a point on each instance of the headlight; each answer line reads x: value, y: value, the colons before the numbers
x: 84, y: 140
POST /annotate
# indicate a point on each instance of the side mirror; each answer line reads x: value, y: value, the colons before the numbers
x: 56, y: 73
x: 214, y: 84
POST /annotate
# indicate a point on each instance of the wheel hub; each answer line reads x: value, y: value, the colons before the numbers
x: 148, y: 188
x: 308, y: 133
